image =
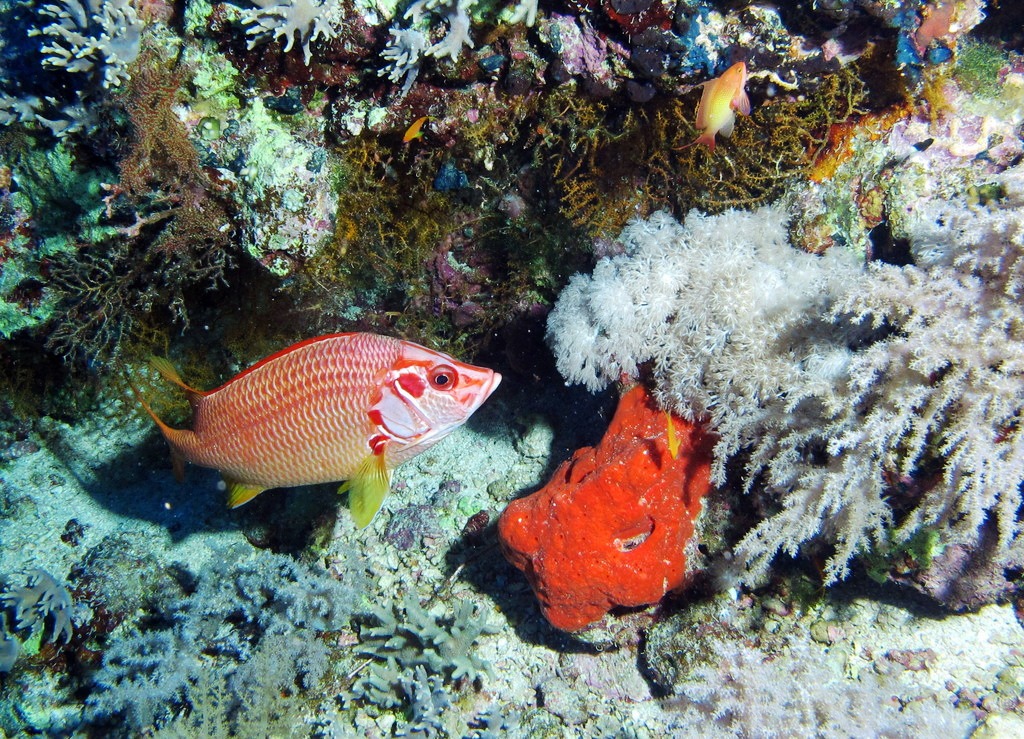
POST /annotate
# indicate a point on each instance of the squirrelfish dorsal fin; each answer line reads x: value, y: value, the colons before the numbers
x: 240, y: 493
x: 169, y: 373
x: 367, y: 489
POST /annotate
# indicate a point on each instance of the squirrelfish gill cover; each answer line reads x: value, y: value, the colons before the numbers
x: 339, y: 407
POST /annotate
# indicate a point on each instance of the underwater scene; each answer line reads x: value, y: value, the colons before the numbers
x: 623, y: 369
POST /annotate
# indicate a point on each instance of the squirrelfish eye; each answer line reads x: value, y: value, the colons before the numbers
x: 443, y: 377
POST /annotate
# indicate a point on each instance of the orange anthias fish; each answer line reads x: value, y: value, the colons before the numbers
x: 721, y: 97
x: 339, y: 407
x: 415, y: 131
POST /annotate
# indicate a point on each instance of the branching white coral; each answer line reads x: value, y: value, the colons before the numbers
x: 100, y: 35
x: 41, y: 601
x: 755, y: 337
x: 287, y: 19
x: 403, y: 53
x: 409, y: 44
x: 525, y: 12
x: 96, y: 41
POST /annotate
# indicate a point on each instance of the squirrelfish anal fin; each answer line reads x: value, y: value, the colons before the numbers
x: 367, y: 489
x: 240, y: 493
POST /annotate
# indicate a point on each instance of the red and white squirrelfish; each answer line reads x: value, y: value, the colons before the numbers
x: 721, y: 97
x: 339, y: 407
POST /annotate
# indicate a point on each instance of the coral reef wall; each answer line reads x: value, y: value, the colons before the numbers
x: 830, y: 296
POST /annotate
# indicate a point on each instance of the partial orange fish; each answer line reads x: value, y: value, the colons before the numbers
x: 415, y: 131
x: 722, y: 95
x: 673, y: 437
x: 339, y: 407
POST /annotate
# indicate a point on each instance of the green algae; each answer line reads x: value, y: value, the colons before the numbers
x: 977, y: 67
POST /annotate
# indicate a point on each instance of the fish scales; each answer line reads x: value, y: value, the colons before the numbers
x: 339, y: 407
x: 299, y: 419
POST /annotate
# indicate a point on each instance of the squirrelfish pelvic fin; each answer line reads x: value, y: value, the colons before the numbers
x: 721, y: 97
x: 240, y: 493
x: 367, y: 489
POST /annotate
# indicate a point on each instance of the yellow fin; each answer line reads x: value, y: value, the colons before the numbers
x: 673, y: 439
x: 169, y: 373
x: 366, y: 489
x: 239, y: 493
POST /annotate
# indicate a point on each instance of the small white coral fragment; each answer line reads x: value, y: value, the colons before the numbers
x: 42, y: 599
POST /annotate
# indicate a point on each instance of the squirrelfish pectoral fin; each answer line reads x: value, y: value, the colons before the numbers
x: 240, y: 493
x: 367, y: 489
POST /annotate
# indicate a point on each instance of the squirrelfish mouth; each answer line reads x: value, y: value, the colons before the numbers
x: 492, y: 384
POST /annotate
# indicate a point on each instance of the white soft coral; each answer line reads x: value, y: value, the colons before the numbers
x: 833, y: 379
x: 308, y: 20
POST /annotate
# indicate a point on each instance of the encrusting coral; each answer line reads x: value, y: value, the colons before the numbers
x: 408, y: 636
x: 258, y: 615
x: 417, y: 654
x: 869, y: 402
x: 735, y: 693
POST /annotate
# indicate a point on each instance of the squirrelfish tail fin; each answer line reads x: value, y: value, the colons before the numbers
x: 164, y: 428
x: 170, y: 434
x: 169, y: 373
x: 367, y: 489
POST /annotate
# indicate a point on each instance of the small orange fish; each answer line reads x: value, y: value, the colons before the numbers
x: 339, y: 407
x: 415, y: 131
x: 722, y: 95
x: 673, y: 437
